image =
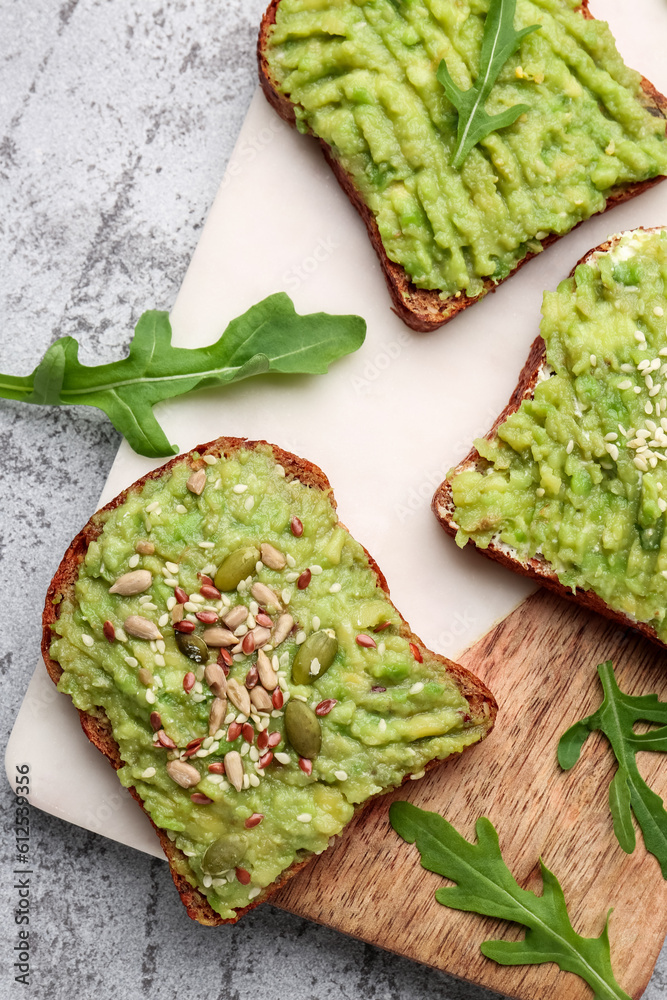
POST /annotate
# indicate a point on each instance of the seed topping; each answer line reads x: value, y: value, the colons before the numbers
x: 132, y: 583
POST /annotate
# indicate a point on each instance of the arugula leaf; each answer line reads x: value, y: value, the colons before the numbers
x: 628, y: 791
x: 269, y: 337
x: 499, y: 42
x: 485, y: 885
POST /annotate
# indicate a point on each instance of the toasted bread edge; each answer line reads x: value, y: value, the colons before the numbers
x: 423, y: 309
x: 536, y: 568
x: 96, y: 724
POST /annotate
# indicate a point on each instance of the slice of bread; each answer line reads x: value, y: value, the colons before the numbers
x: 536, y: 568
x: 481, y: 706
x: 425, y: 309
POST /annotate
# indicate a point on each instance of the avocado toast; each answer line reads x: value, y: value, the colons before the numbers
x: 234, y: 653
x: 362, y: 78
x: 569, y: 485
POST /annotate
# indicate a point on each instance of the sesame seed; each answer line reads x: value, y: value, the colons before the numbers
x: 240, y: 488
x: 209, y: 459
x: 643, y: 365
x: 663, y: 352
x: 169, y: 580
x: 172, y: 567
x: 627, y: 368
x: 304, y: 818
x: 315, y: 623
x: 611, y: 436
x: 637, y: 389
x: 625, y: 384
x: 181, y: 508
x: 282, y: 758
x: 662, y: 504
x: 291, y: 577
x: 150, y: 697
x: 416, y: 688
x: 148, y: 773
x: 300, y: 637
x: 206, y: 545
x: 640, y: 463
x: 594, y: 360
x: 648, y: 408
x: 198, y: 697
x: 648, y: 381
x: 539, y: 492
x: 334, y: 588
x: 658, y: 311
x: 250, y: 503
x: 152, y: 506
x: 655, y: 390
x: 382, y: 725
x: 149, y: 606
x: 159, y: 660
x: 613, y: 451
x: 255, y: 891
x: 315, y: 570
x: 340, y: 775
x: 253, y: 780
x: 131, y: 661
x: 133, y: 560
x: 570, y: 446
x: 87, y: 640
x: 191, y: 607
x: 291, y: 561
x: 120, y: 635
x: 246, y: 781
x: 639, y: 336
x: 286, y: 596
x: 417, y: 775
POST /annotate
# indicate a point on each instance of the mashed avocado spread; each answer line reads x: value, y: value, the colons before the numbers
x: 362, y: 76
x: 241, y: 569
x: 578, y: 473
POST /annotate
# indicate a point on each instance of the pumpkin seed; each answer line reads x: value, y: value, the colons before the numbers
x: 192, y: 646
x: 236, y: 567
x: 314, y: 657
x: 223, y: 854
x: 303, y: 729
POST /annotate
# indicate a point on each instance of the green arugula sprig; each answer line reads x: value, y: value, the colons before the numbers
x: 499, y: 42
x: 628, y: 792
x: 485, y: 885
x: 269, y: 337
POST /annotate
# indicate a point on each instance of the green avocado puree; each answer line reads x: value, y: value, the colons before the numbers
x: 578, y: 473
x: 371, y: 739
x: 362, y: 76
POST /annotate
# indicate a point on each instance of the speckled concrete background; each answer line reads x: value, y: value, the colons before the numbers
x: 116, y: 121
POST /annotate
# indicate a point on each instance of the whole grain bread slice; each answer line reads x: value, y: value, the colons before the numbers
x: 536, y: 568
x: 96, y: 725
x: 424, y: 309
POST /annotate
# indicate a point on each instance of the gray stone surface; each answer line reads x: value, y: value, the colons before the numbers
x: 116, y: 121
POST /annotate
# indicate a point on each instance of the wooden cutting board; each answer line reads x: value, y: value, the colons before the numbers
x: 540, y: 663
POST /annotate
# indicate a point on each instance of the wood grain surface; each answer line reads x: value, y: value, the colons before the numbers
x: 540, y: 662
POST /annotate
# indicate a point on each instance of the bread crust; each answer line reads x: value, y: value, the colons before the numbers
x: 422, y: 309
x: 96, y: 724
x: 536, y: 568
